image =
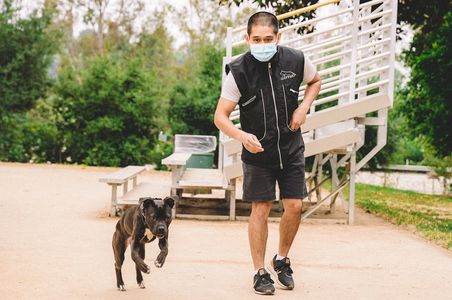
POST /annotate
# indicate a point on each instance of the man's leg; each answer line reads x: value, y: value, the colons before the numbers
x: 288, y: 227
x: 259, y: 184
x: 289, y: 224
x: 258, y: 231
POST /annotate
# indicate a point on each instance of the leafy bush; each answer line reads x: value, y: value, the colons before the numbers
x: 30, y: 136
x: 427, y: 104
x: 27, y: 46
x: 108, y: 113
x: 193, y: 103
x: 26, y: 51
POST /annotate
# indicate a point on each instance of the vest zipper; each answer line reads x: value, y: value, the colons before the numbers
x: 276, y: 113
x: 265, y: 118
x: 249, y: 101
x: 287, y: 114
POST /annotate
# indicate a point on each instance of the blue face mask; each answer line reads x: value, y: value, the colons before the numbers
x: 263, y: 52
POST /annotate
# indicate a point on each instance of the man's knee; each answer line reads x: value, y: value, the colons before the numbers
x: 261, y: 209
x: 293, y: 206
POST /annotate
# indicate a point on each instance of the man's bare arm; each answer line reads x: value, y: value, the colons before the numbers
x: 221, y: 120
x: 311, y: 92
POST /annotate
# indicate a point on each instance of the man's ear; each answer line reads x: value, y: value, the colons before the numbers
x: 246, y: 37
x: 170, y: 201
x: 278, y: 37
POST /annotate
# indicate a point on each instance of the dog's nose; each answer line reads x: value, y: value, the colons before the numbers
x: 161, y: 229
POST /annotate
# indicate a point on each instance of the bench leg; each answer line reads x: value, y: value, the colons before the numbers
x: 114, y: 197
x: 230, y: 196
x: 178, y: 193
x: 125, y: 188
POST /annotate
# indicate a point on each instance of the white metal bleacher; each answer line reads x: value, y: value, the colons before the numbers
x: 353, y: 48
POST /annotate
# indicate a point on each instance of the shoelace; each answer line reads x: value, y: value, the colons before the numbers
x: 265, y: 279
x: 285, y: 268
x: 268, y: 278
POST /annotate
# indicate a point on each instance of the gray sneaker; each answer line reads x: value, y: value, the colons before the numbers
x: 282, y: 272
x: 263, y: 284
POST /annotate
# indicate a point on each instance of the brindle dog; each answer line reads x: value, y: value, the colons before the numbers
x: 137, y: 226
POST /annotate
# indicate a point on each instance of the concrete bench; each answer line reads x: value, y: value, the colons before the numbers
x: 122, y: 177
x: 188, y: 179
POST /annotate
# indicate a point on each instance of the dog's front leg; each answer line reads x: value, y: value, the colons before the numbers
x: 163, y: 244
x: 138, y: 248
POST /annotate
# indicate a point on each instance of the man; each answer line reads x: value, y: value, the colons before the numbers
x: 265, y: 83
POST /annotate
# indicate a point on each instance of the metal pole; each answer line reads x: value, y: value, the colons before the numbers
x: 354, y: 45
x: 392, y: 50
x: 351, y: 198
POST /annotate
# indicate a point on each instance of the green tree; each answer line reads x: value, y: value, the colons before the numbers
x: 427, y: 96
x: 27, y: 48
x: 424, y: 15
x: 199, y: 69
x: 192, y: 104
x: 108, y: 112
x: 26, y: 52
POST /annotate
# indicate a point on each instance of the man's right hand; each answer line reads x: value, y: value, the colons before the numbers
x: 250, y: 142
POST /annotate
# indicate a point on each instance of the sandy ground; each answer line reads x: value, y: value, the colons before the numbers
x: 55, y: 243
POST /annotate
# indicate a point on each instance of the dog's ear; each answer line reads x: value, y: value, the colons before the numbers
x: 144, y: 204
x: 170, y: 201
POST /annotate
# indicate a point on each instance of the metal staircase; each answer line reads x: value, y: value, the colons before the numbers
x: 353, y: 47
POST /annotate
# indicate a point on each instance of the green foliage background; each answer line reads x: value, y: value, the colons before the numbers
x: 66, y: 99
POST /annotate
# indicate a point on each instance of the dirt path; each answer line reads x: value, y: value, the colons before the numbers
x: 55, y: 243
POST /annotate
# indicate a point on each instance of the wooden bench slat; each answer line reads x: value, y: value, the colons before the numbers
x: 123, y: 175
x: 142, y: 189
x: 176, y: 159
x: 193, y: 177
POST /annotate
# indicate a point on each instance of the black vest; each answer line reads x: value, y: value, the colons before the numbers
x: 269, y: 96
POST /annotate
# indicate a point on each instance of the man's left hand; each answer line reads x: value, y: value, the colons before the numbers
x: 298, y: 118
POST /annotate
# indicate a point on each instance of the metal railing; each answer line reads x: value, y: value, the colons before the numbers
x: 352, y: 45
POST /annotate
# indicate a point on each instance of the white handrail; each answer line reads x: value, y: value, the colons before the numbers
x: 294, y: 12
x: 349, y: 60
x: 311, y: 21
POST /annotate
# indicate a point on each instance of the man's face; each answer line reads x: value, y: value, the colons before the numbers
x: 262, y: 35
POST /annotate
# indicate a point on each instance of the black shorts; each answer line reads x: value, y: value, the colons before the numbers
x: 259, y: 182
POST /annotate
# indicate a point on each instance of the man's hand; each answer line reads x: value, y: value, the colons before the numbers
x: 298, y: 118
x: 250, y: 142
x: 224, y: 109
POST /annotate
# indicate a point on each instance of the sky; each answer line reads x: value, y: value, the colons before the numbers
x: 152, y: 5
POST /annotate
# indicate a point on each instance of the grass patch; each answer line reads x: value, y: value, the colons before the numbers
x: 431, y: 215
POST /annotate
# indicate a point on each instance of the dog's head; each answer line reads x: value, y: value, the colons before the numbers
x: 157, y: 214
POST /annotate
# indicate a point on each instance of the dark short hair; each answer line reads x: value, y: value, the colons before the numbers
x: 263, y: 18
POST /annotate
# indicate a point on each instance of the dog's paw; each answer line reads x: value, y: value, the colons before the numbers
x: 141, y: 285
x: 144, y: 268
x: 158, y: 264
x: 160, y: 260
x: 121, y: 288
